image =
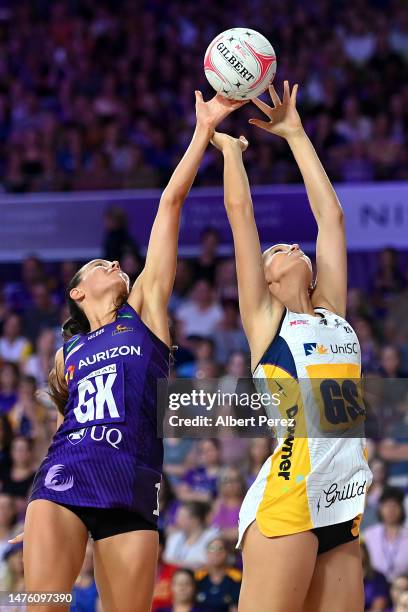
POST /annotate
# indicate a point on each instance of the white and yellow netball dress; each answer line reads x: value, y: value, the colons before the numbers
x: 318, y: 474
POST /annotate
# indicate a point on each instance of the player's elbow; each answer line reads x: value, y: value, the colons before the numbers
x: 173, y: 199
x: 237, y: 205
x: 334, y: 218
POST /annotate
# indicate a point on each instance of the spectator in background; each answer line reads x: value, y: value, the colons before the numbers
x: 131, y: 264
x: 402, y: 604
x: 368, y: 344
x: 13, y: 346
x: 387, y: 542
x: 205, y: 266
x: 117, y: 240
x: 187, y: 545
x: 9, y: 380
x: 84, y: 591
x: 162, y: 596
x: 8, y: 515
x: 18, y: 293
x: 200, y: 483
x: 259, y: 451
x: 398, y: 586
x: 201, y: 314
x: 28, y: 415
x: 176, y: 457
x: 168, y: 504
x: 182, y: 284
x: 218, y: 584
x: 41, y: 362
x: 18, y: 481
x: 376, y: 591
x: 388, y: 279
x: 379, y: 470
x: 13, y: 578
x: 390, y: 363
x: 229, y: 335
x: 183, y: 588
x: 231, y: 492
x: 6, y: 435
x: 43, y: 314
x: 394, y: 447
x: 226, y: 280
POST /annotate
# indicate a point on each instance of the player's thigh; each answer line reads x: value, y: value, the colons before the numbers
x: 54, y: 547
x: 337, y: 583
x: 277, y: 571
x: 125, y: 570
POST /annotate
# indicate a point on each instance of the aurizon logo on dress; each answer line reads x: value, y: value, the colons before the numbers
x: 111, y: 353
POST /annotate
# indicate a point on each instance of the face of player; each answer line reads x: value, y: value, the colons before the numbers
x: 101, y: 276
x: 285, y: 265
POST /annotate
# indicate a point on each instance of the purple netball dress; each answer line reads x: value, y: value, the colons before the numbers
x: 106, y: 453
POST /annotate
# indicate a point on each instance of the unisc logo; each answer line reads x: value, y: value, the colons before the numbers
x: 346, y: 349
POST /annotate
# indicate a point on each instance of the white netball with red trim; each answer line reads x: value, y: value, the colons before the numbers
x: 240, y: 63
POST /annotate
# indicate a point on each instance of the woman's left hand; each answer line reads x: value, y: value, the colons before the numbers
x: 284, y: 119
x: 210, y: 114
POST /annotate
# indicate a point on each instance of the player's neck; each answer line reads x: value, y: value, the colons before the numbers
x: 100, y: 313
x: 298, y: 300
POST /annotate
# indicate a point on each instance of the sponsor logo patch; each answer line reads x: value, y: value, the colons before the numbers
x: 312, y: 348
x: 120, y: 329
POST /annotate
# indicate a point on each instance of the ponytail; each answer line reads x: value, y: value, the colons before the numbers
x: 77, y: 323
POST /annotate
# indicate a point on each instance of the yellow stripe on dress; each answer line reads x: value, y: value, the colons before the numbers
x: 284, y: 508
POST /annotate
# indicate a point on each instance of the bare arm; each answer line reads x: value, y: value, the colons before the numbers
x: 331, y: 259
x: 254, y: 296
x: 153, y: 288
x: 331, y: 255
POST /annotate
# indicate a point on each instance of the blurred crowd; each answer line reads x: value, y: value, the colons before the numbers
x: 204, y: 479
x: 101, y: 94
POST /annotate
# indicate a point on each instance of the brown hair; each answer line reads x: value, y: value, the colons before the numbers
x: 77, y: 323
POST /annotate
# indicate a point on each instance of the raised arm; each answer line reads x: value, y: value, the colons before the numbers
x: 255, y: 300
x: 331, y: 256
x: 152, y: 290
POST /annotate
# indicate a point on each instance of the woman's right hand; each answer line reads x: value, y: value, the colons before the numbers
x: 17, y: 539
x: 284, y: 120
x: 222, y: 142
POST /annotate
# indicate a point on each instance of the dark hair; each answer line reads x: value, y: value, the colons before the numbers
x: 185, y: 570
x: 8, y: 432
x: 197, y: 509
x: 29, y: 441
x: 395, y: 494
x: 13, y: 366
x: 77, y: 323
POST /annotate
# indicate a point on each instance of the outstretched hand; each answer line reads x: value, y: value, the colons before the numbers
x: 210, y: 114
x: 224, y: 141
x: 284, y: 119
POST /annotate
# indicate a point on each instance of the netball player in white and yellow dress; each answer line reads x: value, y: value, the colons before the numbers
x: 298, y: 525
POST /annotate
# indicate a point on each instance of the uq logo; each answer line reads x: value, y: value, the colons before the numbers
x: 95, y: 395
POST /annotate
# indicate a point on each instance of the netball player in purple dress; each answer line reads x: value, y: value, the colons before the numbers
x: 103, y: 469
